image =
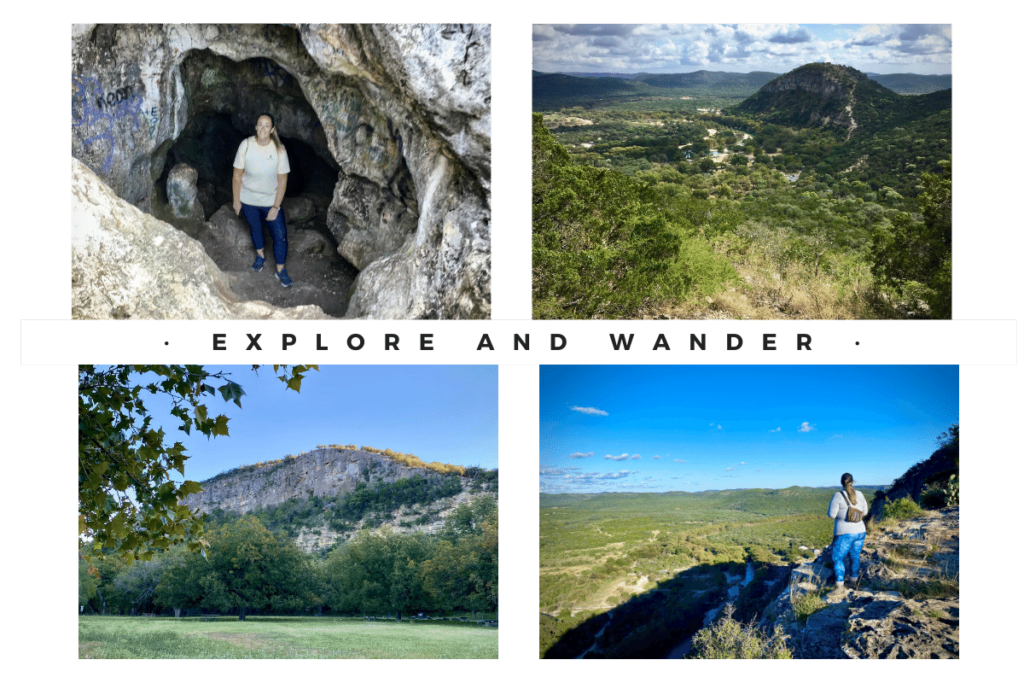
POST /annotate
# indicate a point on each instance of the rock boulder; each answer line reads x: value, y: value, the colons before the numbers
x: 126, y: 264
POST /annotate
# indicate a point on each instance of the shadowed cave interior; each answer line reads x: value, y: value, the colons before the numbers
x: 225, y: 98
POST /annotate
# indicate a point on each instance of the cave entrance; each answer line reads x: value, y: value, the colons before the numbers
x: 224, y: 100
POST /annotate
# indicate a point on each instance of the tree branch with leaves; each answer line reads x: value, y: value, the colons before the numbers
x: 128, y: 502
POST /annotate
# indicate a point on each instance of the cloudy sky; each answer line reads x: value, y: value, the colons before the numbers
x: 778, y: 48
x: 696, y: 428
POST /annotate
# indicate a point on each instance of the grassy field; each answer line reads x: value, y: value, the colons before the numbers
x: 280, y: 638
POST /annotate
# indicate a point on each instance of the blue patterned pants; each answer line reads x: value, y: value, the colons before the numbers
x: 847, y: 545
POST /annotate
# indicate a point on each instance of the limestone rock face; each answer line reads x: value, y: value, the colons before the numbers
x: 324, y: 538
x: 875, y: 621
x: 324, y: 472
x: 128, y: 264
x: 402, y: 111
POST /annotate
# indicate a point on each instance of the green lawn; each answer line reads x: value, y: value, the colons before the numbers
x: 280, y: 638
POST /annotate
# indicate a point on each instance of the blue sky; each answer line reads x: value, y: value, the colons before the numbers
x: 778, y: 48
x: 443, y: 413
x: 696, y: 428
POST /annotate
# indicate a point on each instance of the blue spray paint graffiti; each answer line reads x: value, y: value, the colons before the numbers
x: 270, y: 69
x: 342, y: 113
x: 99, y: 112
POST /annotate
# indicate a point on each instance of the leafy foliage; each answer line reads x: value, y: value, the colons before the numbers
x: 607, y: 246
x: 248, y: 569
x: 127, y: 501
x: 915, y: 257
x: 730, y: 639
x: 902, y: 508
x: 842, y: 202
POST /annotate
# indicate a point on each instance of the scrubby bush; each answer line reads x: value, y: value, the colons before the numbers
x: 730, y: 639
x: 807, y: 604
x: 904, y: 508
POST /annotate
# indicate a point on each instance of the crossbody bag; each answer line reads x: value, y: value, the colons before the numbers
x: 852, y: 514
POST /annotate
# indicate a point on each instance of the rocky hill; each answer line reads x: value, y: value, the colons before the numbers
x: 330, y: 493
x: 840, y: 98
x: 811, y: 95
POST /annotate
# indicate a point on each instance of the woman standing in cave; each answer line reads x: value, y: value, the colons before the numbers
x: 257, y: 185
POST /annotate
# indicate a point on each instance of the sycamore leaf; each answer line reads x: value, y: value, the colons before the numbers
x: 232, y: 392
x: 220, y: 427
x: 189, y: 487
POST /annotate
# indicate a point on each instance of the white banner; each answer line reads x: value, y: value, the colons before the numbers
x: 963, y: 342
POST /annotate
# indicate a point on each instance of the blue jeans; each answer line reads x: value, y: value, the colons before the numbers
x: 256, y: 216
x: 847, y: 544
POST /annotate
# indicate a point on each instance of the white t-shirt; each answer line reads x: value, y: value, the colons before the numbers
x: 261, y: 167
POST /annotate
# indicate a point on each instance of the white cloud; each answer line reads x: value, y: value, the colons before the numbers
x: 773, y: 431
x: 675, y: 460
x: 588, y: 411
x: 806, y: 427
x: 581, y: 455
x: 624, y: 456
x: 743, y: 463
x: 729, y: 469
x: 655, y: 457
x: 636, y: 456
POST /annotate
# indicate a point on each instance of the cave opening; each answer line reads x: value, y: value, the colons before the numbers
x: 224, y: 99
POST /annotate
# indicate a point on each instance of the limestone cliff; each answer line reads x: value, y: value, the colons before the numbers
x: 329, y: 473
x: 906, y: 605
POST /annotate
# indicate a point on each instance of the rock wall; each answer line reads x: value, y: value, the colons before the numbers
x: 322, y: 472
x: 403, y: 110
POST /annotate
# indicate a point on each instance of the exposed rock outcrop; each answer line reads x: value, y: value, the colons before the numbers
x: 906, y: 605
x: 128, y: 264
x: 325, y: 473
x: 402, y: 111
x: 936, y: 469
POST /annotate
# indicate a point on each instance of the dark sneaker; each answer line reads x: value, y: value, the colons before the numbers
x: 282, y: 275
x: 257, y: 265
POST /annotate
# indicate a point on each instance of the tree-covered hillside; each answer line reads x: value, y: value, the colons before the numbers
x: 607, y: 246
x: 622, y: 227
x: 823, y: 197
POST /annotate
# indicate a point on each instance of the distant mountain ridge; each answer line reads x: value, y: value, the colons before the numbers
x: 556, y: 88
x: 554, y: 499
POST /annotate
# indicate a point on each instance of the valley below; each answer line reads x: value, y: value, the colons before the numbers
x: 816, y: 194
x: 647, y: 571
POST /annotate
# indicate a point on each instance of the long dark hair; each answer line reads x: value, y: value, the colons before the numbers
x: 273, y: 135
x: 847, y: 482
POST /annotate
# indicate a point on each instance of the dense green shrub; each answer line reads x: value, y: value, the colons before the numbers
x: 904, y: 508
x: 729, y: 639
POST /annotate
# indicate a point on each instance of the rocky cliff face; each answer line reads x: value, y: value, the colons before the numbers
x: 905, y: 605
x: 936, y: 469
x: 325, y: 472
x: 401, y: 113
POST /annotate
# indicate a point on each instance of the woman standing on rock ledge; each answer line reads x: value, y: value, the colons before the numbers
x: 257, y: 185
x: 848, y: 508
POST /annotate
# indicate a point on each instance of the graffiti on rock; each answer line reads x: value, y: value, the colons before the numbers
x: 97, y: 113
x: 347, y: 113
x: 271, y: 70
x: 154, y: 118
